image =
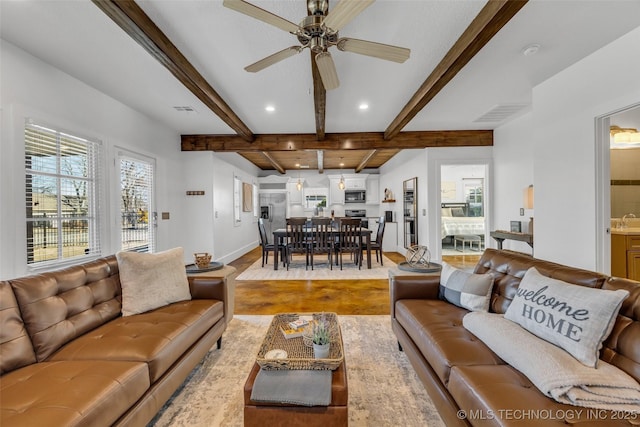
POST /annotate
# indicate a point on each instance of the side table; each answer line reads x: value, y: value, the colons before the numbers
x: 227, y: 274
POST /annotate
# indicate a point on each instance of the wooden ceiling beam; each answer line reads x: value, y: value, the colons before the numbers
x: 319, y: 95
x: 137, y: 24
x: 338, y: 141
x: 365, y: 160
x: 274, y: 163
x: 493, y: 16
x: 319, y: 99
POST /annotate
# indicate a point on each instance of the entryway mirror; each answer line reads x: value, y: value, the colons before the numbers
x: 410, y: 211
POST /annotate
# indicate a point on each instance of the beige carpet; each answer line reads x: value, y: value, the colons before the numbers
x: 321, y: 270
x: 383, y: 387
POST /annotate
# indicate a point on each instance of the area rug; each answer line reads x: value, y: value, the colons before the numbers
x: 383, y: 387
x: 321, y: 271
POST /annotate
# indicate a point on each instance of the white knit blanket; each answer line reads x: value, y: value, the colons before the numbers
x: 554, y: 371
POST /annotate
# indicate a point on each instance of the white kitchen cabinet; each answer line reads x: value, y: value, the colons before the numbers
x: 390, y: 239
x: 373, y: 190
x: 295, y: 195
x: 355, y: 183
x: 336, y: 195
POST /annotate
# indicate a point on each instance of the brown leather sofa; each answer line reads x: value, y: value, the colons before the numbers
x: 68, y: 357
x: 468, y: 383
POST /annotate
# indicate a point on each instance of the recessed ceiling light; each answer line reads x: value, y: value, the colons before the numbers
x: 532, y: 49
x: 364, y: 106
x: 270, y: 108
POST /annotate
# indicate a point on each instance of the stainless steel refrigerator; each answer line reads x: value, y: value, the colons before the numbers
x: 273, y: 210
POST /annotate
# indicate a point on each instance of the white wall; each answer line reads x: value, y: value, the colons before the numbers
x: 406, y: 165
x: 34, y: 89
x: 232, y: 240
x: 564, y: 111
x: 513, y: 173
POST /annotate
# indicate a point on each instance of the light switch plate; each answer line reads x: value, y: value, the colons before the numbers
x: 521, y: 211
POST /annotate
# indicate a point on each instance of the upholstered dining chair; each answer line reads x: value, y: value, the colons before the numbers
x: 350, y: 240
x: 297, y: 242
x: 322, y: 240
x: 269, y: 247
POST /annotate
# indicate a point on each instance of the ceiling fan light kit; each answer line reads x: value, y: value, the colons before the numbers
x: 319, y: 31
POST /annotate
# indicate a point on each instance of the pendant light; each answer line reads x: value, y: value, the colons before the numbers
x: 341, y: 183
x: 299, y: 184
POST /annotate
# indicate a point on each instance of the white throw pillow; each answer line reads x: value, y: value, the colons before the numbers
x: 575, y: 318
x: 466, y: 290
x: 150, y: 281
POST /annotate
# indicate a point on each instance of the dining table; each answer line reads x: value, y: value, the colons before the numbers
x: 280, y: 235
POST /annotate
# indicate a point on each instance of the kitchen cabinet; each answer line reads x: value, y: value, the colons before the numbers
x: 373, y: 190
x: 355, y: 183
x: 625, y: 255
x: 336, y: 195
x: 295, y: 195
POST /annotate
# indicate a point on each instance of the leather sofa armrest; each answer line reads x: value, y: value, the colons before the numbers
x: 219, y: 288
x: 412, y: 287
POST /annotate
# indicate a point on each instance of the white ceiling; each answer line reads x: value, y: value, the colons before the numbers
x: 80, y: 39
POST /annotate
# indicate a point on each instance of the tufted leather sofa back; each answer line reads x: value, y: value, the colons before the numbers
x: 508, y: 269
x: 59, y: 306
x: 621, y: 348
x: 16, y: 350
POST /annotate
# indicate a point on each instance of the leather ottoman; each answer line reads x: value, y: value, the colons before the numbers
x: 277, y: 414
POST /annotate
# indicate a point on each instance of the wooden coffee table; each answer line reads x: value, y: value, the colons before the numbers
x: 279, y: 414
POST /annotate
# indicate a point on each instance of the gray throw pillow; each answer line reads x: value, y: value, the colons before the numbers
x: 466, y: 290
x: 575, y: 318
x: 150, y: 281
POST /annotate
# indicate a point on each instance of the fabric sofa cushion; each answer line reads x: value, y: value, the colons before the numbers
x: 85, y: 393
x: 158, y: 337
x: 466, y: 290
x: 575, y: 318
x: 152, y: 280
x: 436, y: 328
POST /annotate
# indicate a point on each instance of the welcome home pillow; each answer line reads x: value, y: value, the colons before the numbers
x: 150, y: 281
x: 575, y: 318
x: 466, y: 290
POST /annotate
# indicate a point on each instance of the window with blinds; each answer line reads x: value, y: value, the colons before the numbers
x: 63, y: 197
x: 137, y: 215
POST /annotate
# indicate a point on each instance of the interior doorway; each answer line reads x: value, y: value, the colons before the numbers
x: 463, y: 204
x: 618, y: 178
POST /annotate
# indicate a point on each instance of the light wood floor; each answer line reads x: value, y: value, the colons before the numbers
x: 346, y: 297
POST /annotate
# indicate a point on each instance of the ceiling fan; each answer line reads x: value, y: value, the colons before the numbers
x: 318, y: 32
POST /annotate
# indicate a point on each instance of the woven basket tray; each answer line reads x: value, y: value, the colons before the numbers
x: 299, y: 355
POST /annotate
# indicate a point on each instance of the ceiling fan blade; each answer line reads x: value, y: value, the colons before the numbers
x: 272, y: 59
x: 261, y: 14
x: 344, y: 12
x: 327, y: 70
x: 377, y: 50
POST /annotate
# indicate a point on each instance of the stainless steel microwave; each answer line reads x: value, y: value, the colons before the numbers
x: 355, y: 196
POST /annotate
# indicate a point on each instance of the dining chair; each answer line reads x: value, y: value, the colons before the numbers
x: 322, y: 240
x: 268, y: 247
x: 297, y: 242
x: 376, y: 245
x: 350, y: 240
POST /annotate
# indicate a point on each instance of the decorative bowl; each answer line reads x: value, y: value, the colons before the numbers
x: 202, y: 259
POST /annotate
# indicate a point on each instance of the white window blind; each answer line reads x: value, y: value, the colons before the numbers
x: 137, y: 213
x: 63, y: 195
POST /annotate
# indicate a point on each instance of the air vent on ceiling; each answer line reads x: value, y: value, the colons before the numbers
x: 185, y: 108
x: 500, y: 113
